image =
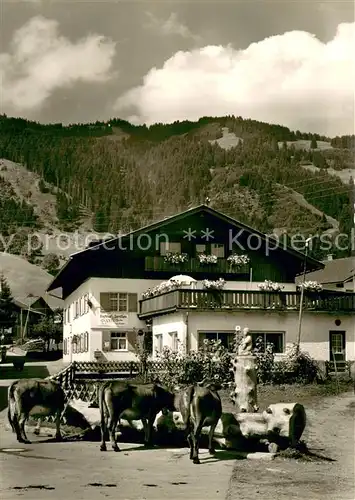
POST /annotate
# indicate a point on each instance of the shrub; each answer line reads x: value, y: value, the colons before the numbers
x: 297, y: 367
x: 213, y: 362
x: 265, y: 361
x: 300, y: 366
x: 210, y: 362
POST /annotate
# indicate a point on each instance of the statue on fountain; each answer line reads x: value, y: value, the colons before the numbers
x: 245, y: 346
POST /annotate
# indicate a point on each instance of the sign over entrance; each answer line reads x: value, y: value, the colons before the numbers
x: 114, y: 318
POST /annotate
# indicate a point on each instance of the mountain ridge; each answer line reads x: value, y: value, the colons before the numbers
x: 90, y: 180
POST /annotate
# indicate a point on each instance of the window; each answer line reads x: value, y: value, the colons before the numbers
x: 86, y: 305
x: 113, y: 302
x: 122, y: 302
x: 119, y: 341
x: 226, y: 338
x: 119, y: 302
x: 86, y: 341
x: 264, y: 338
x: 159, y: 342
x: 200, y: 248
x: 217, y: 249
x: 170, y: 246
x: 174, y: 341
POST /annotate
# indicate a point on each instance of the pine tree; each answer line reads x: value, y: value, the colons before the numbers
x: 48, y: 328
x: 7, y: 307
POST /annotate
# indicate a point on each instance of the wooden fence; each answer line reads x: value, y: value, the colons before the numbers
x: 81, y: 380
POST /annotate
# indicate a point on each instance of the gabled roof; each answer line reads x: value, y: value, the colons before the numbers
x: 335, y: 271
x: 176, y: 218
x: 26, y: 307
x: 46, y: 301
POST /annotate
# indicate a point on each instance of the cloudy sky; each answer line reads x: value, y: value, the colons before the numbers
x: 285, y: 61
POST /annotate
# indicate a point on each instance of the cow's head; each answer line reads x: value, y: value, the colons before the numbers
x: 165, y: 399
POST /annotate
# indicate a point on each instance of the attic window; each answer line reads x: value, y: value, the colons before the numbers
x: 170, y: 246
x: 200, y: 248
x: 217, y: 249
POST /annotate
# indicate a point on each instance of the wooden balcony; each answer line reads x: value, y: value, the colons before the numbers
x: 237, y: 300
x: 193, y: 265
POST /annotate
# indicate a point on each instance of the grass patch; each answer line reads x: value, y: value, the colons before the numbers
x: 307, y: 395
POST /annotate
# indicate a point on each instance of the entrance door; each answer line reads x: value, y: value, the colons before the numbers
x: 337, y: 349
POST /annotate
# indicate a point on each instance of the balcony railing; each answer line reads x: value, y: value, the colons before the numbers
x: 243, y: 299
x: 193, y: 265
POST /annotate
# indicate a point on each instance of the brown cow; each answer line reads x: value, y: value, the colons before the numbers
x: 119, y: 399
x: 200, y: 406
x: 34, y: 397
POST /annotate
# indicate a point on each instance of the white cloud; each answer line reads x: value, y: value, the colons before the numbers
x: 40, y: 61
x: 291, y: 79
x: 169, y: 27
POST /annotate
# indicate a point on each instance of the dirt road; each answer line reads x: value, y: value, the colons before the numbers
x: 80, y: 471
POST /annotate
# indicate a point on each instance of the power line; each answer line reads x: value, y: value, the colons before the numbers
x: 336, y: 190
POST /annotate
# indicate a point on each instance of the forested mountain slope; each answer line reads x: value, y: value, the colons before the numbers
x: 120, y: 176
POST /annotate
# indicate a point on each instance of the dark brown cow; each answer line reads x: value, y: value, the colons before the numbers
x: 132, y: 402
x: 200, y: 406
x: 34, y: 397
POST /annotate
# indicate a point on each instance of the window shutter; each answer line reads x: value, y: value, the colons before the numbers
x: 131, y: 340
x: 132, y: 302
x: 105, y: 301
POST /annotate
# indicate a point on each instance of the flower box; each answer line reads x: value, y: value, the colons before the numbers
x: 166, y: 286
x: 238, y: 260
x: 270, y: 286
x: 214, y: 285
x: 176, y: 258
x: 207, y: 259
x: 310, y: 286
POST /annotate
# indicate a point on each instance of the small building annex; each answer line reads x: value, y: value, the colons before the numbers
x: 118, y: 292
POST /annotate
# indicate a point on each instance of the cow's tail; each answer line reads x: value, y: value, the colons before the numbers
x: 189, y: 394
x: 10, y: 403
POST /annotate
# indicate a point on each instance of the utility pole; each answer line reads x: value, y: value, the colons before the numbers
x: 302, y: 294
x: 352, y: 242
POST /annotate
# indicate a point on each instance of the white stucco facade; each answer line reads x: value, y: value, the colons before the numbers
x: 99, y: 325
x: 112, y: 334
x: 315, y: 331
x: 93, y: 327
x: 346, y: 286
